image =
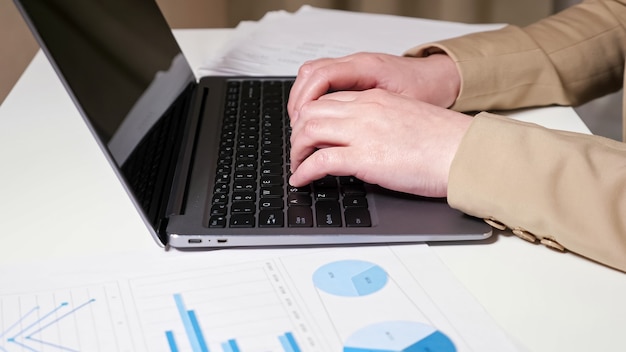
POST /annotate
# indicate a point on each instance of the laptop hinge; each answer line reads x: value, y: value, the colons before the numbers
x: 186, y: 157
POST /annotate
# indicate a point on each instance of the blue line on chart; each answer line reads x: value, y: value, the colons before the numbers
x: 23, y: 341
x: 62, y: 305
x: 61, y: 317
x: 19, y: 321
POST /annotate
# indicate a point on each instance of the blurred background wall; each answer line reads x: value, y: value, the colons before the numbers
x: 17, y: 46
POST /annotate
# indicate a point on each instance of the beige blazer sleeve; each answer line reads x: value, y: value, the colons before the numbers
x: 559, y: 188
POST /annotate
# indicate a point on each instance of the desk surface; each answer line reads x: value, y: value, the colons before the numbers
x: 546, y: 301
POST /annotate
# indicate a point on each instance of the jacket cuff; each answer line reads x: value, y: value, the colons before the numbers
x: 560, y: 188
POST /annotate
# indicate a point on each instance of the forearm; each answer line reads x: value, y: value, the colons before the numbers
x: 560, y: 186
x: 566, y: 59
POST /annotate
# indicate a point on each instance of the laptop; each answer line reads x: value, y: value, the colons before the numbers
x: 206, y: 161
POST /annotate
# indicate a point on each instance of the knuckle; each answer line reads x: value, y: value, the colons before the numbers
x: 311, y: 127
x: 372, y: 60
x: 306, y: 69
x: 324, y: 159
x: 306, y: 108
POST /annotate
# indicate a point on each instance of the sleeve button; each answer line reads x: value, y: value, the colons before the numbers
x: 495, y: 223
x: 525, y: 235
x: 552, y: 244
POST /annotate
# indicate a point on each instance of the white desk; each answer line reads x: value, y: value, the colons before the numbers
x: 58, y: 198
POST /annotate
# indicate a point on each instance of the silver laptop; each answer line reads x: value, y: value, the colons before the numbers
x: 206, y: 161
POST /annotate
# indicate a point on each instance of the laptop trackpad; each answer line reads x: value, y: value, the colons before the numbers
x: 402, y: 213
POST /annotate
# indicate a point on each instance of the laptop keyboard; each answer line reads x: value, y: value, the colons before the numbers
x: 251, y: 188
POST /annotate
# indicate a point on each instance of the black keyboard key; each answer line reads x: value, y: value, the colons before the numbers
x: 326, y: 182
x: 245, y: 175
x: 246, y: 154
x: 269, y: 181
x: 247, y: 196
x: 245, y: 165
x: 222, y: 167
x: 354, y: 201
x: 328, y: 213
x: 295, y: 199
x: 220, y: 198
x: 300, y: 216
x: 271, y: 151
x: 219, y: 210
x: 271, y: 218
x: 271, y: 170
x: 304, y: 189
x: 349, y: 180
x: 244, y: 185
x: 271, y: 203
x: 358, y: 217
x: 217, y: 222
x: 242, y: 220
x: 326, y: 194
x: 275, y: 191
x: 221, y: 187
x: 353, y: 190
x: 271, y: 160
x: 243, y: 207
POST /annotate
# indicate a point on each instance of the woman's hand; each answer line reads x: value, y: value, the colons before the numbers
x: 379, y: 136
x: 432, y: 79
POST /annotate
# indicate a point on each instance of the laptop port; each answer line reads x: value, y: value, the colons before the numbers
x: 222, y: 240
x: 194, y: 240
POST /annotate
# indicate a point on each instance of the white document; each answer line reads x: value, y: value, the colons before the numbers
x: 344, y: 299
x: 280, y: 42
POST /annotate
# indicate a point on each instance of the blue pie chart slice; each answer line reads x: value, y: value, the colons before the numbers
x: 399, y: 336
x: 350, y: 278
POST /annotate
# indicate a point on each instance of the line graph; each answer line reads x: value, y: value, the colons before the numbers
x: 30, y: 333
x: 72, y: 320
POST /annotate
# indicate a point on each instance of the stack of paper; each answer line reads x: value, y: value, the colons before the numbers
x: 281, y: 41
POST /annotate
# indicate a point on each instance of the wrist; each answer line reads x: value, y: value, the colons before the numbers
x: 445, y: 77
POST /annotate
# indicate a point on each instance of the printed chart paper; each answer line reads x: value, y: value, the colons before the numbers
x: 349, y: 299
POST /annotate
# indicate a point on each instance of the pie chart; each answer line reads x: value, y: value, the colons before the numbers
x: 399, y: 336
x: 350, y: 278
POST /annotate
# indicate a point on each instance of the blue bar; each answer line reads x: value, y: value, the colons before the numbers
x: 226, y: 347
x: 286, y: 345
x: 198, y: 331
x: 233, y: 346
x: 171, y: 341
x: 189, y: 329
x: 292, y: 342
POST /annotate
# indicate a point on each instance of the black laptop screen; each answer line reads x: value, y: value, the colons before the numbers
x: 118, y: 59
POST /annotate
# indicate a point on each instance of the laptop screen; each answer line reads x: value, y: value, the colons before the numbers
x: 119, y: 60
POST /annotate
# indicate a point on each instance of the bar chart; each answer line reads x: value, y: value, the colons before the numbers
x: 236, y: 308
x: 195, y: 335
